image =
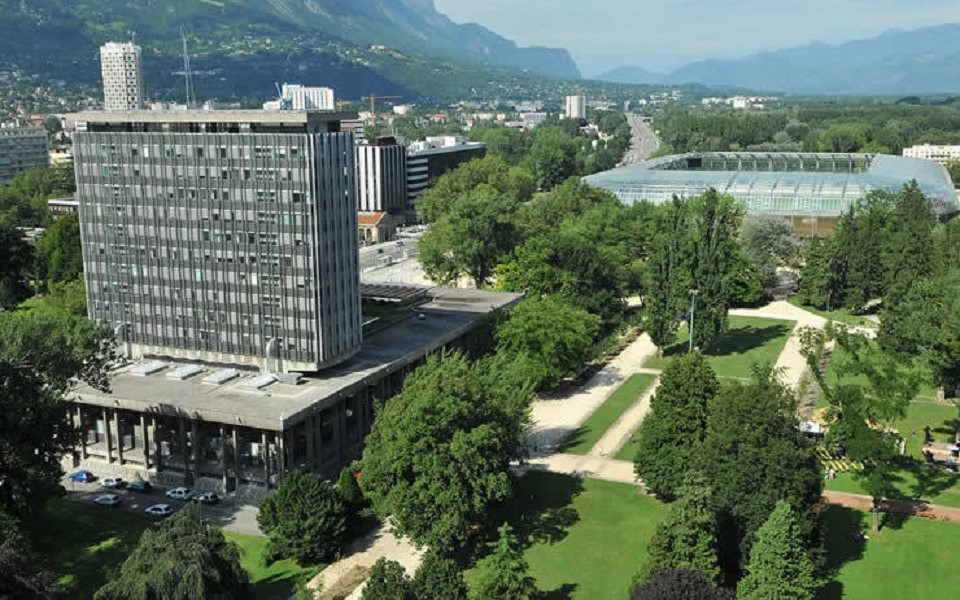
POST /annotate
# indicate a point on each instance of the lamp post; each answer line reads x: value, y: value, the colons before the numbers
x: 693, y: 310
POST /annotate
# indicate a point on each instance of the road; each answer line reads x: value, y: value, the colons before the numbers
x: 645, y: 141
x: 380, y: 255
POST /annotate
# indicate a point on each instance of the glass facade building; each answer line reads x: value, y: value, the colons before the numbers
x: 808, y: 185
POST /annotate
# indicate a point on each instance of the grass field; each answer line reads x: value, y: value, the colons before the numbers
x: 590, y: 432
x: 839, y: 358
x: 585, y: 537
x: 749, y: 341
x: 914, y: 558
x: 841, y: 315
x: 629, y: 450
x: 84, y: 544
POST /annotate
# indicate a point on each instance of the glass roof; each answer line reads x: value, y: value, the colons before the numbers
x: 780, y: 183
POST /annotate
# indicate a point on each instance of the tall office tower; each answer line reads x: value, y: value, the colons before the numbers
x: 381, y: 176
x: 575, y: 107
x: 227, y: 237
x: 22, y: 148
x: 308, y: 98
x: 122, y: 83
x: 428, y: 159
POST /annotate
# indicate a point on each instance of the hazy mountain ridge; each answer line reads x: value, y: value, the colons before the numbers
x: 925, y: 60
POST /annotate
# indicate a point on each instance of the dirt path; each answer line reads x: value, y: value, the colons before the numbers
x: 899, y: 507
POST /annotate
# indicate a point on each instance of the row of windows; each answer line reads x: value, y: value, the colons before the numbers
x: 185, y: 151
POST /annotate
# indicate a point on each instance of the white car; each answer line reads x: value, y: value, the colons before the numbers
x: 159, y: 510
x: 107, y: 500
x: 180, y: 493
x: 111, y: 482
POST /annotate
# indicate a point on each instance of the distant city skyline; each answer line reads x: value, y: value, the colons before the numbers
x: 662, y: 35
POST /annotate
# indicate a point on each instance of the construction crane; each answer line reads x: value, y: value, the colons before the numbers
x: 373, y: 104
x: 285, y: 103
x: 342, y: 103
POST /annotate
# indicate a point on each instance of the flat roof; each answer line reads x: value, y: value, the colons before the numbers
x: 448, y: 315
x: 212, y: 116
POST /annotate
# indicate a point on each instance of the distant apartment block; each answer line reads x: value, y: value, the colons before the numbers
x: 381, y: 176
x: 122, y: 79
x: 575, y: 107
x: 431, y: 158
x: 303, y: 97
x: 226, y: 237
x: 22, y: 148
x: 941, y: 154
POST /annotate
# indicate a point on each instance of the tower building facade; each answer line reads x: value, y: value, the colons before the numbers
x: 122, y: 81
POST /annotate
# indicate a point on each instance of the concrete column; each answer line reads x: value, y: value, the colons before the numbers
x: 119, y: 433
x: 223, y: 457
x: 338, y: 417
x: 266, y: 457
x: 311, y: 430
x: 145, y: 440
x: 282, y: 461
x: 105, y: 415
x: 83, y: 433
x: 184, y: 455
x: 236, y: 456
x: 157, y: 446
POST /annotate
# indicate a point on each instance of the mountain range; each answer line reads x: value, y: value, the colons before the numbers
x: 240, y: 47
x: 921, y: 61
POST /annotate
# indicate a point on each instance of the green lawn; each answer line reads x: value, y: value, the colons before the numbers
x: 586, y: 537
x: 918, y: 482
x: 273, y: 582
x: 913, y: 558
x: 629, y: 450
x: 841, y: 315
x: 82, y: 544
x: 588, y: 434
x: 749, y: 341
x: 839, y: 358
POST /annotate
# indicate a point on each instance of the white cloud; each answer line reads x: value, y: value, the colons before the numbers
x: 663, y: 34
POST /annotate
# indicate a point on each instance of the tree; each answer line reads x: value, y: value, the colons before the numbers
x: 42, y: 358
x: 438, y: 456
x: 687, y: 537
x: 388, y: 581
x: 715, y: 220
x: 820, y: 282
x: 552, y: 157
x: 439, y: 578
x: 779, y: 566
x: 557, y: 337
x: 21, y: 579
x: 180, y: 558
x: 514, y: 182
x: 305, y: 518
x: 349, y: 490
x: 471, y: 237
x: 909, y: 244
x: 768, y: 243
x: 754, y: 456
x: 59, y: 251
x: 672, y: 434
x: 843, y: 138
x: 503, y: 574
x: 679, y: 584
x: 16, y: 257
x: 62, y: 299
x: 668, y: 278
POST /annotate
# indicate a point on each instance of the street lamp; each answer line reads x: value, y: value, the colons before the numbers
x: 693, y: 310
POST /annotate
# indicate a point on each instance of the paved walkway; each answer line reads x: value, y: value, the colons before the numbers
x: 607, y: 469
x: 364, y: 552
x: 621, y: 430
x: 791, y: 363
x: 900, y: 507
x: 553, y: 419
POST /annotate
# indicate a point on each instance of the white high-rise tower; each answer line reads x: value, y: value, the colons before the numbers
x: 122, y: 83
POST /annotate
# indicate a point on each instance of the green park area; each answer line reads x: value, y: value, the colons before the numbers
x: 748, y: 341
x: 840, y: 315
x: 908, y: 558
x: 584, y: 537
x: 589, y: 433
x: 84, y: 544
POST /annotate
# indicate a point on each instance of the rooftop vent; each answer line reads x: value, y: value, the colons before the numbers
x: 221, y: 377
x: 148, y: 368
x: 260, y: 382
x: 183, y: 372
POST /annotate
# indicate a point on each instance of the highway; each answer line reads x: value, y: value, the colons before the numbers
x: 645, y: 141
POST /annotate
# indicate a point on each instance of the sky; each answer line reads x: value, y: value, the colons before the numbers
x: 662, y: 35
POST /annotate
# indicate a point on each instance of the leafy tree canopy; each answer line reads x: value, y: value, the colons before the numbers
x: 388, y: 581
x: 503, y: 575
x: 673, y: 584
x: 779, y: 566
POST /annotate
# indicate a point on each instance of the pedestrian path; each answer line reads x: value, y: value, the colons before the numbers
x: 607, y: 469
x: 619, y: 433
x: 900, y: 507
x: 790, y: 363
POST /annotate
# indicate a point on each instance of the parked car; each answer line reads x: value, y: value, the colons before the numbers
x: 82, y: 476
x: 107, y: 500
x: 207, y: 498
x: 159, y: 510
x: 180, y: 493
x: 139, y: 485
x: 112, y: 482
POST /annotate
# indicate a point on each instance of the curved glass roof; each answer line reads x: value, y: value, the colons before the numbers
x: 777, y: 183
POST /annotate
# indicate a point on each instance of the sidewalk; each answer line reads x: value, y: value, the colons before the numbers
x: 614, y: 438
x: 900, y: 507
x: 791, y: 363
x: 617, y: 471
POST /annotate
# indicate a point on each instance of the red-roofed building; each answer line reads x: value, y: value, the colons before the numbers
x: 375, y: 227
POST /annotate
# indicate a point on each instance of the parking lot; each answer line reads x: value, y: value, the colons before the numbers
x: 227, y: 514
